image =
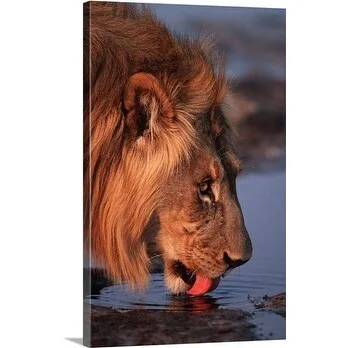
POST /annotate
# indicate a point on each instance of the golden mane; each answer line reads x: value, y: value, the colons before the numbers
x: 122, y: 176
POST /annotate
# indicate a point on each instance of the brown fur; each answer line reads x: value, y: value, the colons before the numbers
x: 149, y: 97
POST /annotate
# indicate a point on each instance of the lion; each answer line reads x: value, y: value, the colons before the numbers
x: 160, y: 159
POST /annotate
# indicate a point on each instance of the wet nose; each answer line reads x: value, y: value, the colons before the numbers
x: 233, y: 263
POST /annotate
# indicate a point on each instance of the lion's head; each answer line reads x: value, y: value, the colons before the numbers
x: 160, y: 164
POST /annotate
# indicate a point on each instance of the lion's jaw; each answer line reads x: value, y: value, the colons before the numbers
x: 193, y: 264
x: 201, y: 236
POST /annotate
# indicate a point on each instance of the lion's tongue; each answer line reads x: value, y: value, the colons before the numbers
x: 203, y: 285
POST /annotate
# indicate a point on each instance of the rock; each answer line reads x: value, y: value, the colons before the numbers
x: 276, y: 303
x: 111, y: 327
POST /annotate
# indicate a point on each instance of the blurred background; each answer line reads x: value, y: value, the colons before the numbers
x: 252, y: 40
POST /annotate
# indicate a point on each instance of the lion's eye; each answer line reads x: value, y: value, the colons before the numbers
x: 204, y: 187
x: 205, y: 192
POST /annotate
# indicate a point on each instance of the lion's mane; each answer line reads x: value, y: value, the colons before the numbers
x: 122, y: 182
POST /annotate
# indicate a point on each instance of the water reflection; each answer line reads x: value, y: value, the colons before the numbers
x: 192, y: 303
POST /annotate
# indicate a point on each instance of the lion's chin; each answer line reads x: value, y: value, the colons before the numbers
x: 175, y: 284
x: 179, y: 280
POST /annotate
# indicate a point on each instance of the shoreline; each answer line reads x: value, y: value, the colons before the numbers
x: 105, y: 326
x: 112, y: 327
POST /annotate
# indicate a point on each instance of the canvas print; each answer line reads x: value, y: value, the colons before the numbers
x: 184, y: 174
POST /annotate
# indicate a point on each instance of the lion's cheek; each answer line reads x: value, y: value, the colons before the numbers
x: 172, y: 238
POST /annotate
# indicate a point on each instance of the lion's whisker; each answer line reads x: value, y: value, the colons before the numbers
x: 193, y: 273
x: 153, y: 257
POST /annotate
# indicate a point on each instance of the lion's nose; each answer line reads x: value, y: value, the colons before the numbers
x: 233, y: 263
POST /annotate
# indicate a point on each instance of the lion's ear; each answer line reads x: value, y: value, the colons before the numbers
x: 146, y: 104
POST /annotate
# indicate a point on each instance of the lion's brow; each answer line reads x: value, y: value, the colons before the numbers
x: 234, y: 163
x: 216, y: 170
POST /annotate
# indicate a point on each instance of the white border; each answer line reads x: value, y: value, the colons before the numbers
x: 41, y: 180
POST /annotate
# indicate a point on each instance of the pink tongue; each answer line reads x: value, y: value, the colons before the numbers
x: 203, y: 285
